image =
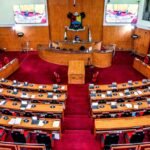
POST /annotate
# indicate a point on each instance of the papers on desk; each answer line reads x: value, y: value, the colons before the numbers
x: 136, y: 106
x: 62, y: 87
x: 103, y: 95
x: 18, y: 120
x: 40, y: 86
x: 32, y: 96
x: 128, y: 105
x: 15, y: 121
x: 12, y: 121
x: 121, y: 94
x: 2, y: 102
x: 55, y: 97
x: 28, y: 106
x: 136, y: 93
x: 139, y: 92
x: 56, y: 135
x: 41, y: 123
x: 1, y: 90
x: 24, y: 96
x: 56, y: 124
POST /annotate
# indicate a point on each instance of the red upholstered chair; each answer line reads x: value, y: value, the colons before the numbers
x: 57, y: 77
x: 6, y: 60
x: 2, y: 134
x: 108, y: 139
x: 95, y: 77
x: 44, y: 138
x: 146, y: 60
x: 20, y: 136
x: 1, y: 65
x: 134, y: 136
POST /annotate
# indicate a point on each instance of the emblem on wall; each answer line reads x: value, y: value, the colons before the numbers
x: 76, y: 20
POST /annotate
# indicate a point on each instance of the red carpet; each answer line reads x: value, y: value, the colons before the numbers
x: 77, y: 126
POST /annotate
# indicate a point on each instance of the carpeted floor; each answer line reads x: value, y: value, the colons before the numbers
x: 77, y: 126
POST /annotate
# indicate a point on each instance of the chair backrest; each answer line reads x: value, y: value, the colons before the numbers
x: 18, y: 137
x: 110, y: 139
x: 49, y: 116
x: 6, y: 60
x: 43, y: 138
x: 105, y: 116
x: 147, y: 112
x: 126, y: 114
x: 146, y: 60
x: 6, y: 112
x: 137, y: 137
x: 27, y: 114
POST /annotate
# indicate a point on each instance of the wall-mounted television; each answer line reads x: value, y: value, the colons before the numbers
x: 30, y: 14
x: 120, y: 12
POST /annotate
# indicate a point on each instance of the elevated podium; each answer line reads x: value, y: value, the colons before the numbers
x: 76, y: 72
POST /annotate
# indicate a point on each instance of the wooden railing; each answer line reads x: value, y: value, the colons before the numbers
x: 9, y: 68
x: 18, y: 146
x: 139, y: 146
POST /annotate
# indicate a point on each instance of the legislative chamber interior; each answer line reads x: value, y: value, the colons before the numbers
x: 75, y: 75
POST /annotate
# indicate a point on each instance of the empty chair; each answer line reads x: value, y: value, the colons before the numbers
x: 146, y: 60
x: 95, y: 77
x: 102, y: 102
x: 135, y: 137
x: 126, y: 114
x: 146, y: 112
x: 1, y: 65
x: 6, y: 112
x: 105, y: 116
x: 43, y: 138
x: 57, y: 77
x: 109, y: 139
x: 49, y: 116
x: 6, y: 60
x: 120, y: 100
x: 20, y: 136
x: 27, y: 114
x: 2, y: 134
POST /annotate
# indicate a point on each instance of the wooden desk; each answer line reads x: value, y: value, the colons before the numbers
x: 122, y: 123
x: 61, y: 97
x: 75, y: 46
x: 143, y: 68
x: 28, y: 125
x: 107, y: 107
x: 9, y: 68
x: 76, y: 72
x: 121, y: 95
x: 40, y: 108
x: 61, y: 57
x: 32, y: 86
x: 120, y: 86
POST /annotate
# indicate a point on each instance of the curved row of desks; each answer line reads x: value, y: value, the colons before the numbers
x: 141, y: 67
x: 122, y: 123
x: 121, y: 107
x: 26, y: 123
x: 33, y: 86
x: 32, y: 107
x: 58, y: 97
x: 97, y: 58
x: 9, y: 68
x: 120, y: 86
x: 120, y: 95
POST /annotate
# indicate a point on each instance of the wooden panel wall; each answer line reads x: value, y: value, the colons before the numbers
x: 142, y: 44
x: 58, y: 11
x: 120, y: 35
x: 35, y: 35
